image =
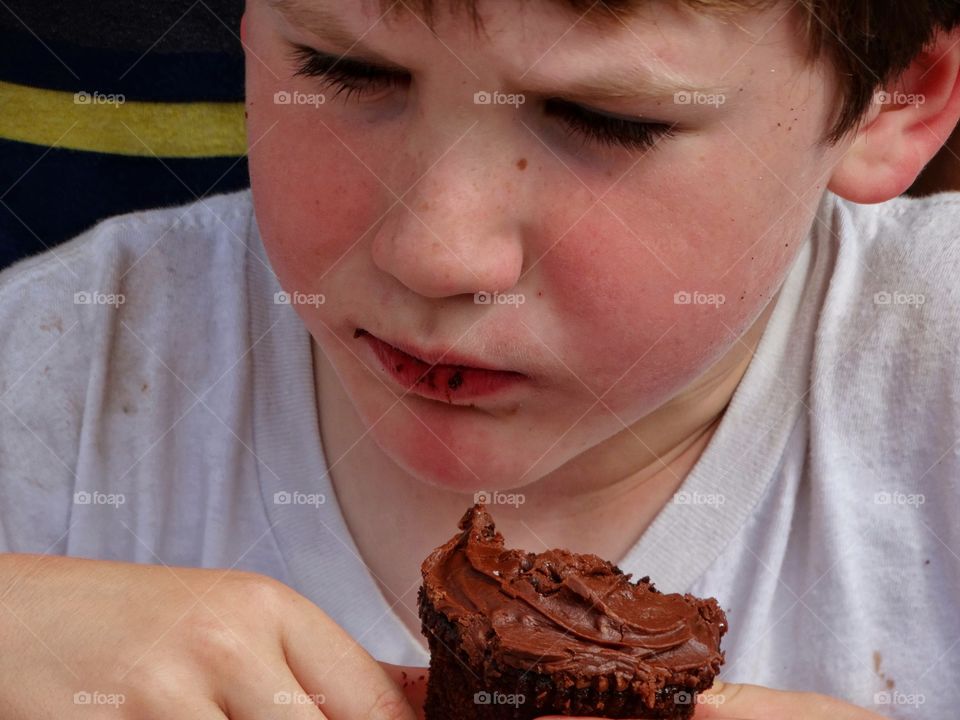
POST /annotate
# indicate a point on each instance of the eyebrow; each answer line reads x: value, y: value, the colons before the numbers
x: 318, y: 20
x: 638, y: 83
x: 627, y: 84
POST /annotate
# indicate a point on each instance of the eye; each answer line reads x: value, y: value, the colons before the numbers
x: 345, y: 75
x: 607, y: 129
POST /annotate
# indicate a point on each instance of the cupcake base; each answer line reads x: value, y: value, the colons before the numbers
x: 460, y: 689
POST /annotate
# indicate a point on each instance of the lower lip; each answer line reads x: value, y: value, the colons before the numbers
x: 454, y: 384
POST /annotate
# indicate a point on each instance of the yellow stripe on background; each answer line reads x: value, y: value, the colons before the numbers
x: 113, y: 125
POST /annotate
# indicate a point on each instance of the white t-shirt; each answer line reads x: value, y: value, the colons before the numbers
x: 180, y: 426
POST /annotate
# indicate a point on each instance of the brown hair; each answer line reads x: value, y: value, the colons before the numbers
x: 868, y: 42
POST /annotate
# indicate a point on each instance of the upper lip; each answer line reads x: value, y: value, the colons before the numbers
x: 438, y: 357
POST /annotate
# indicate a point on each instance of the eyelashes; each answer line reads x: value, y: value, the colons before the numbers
x: 607, y: 129
x: 350, y: 78
x: 347, y: 77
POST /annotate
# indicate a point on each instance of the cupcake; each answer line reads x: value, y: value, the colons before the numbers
x: 520, y: 635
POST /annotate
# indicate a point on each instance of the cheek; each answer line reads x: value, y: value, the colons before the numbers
x: 314, y: 200
x: 650, y: 308
x: 314, y: 193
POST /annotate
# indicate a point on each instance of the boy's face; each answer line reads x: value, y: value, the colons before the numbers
x: 403, y: 200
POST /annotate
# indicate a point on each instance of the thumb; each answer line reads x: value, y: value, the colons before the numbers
x: 413, y: 682
x: 733, y: 701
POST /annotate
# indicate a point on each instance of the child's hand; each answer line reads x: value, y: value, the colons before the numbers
x: 724, y: 701
x: 148, y: 641
x: 728, y: 701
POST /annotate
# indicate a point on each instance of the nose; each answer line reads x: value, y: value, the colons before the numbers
x: 458, y: 231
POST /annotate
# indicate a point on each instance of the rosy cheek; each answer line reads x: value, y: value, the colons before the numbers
x: 314, y: 207
x: 666, y: 299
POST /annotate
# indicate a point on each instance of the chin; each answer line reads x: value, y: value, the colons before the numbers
x: 461, y: 460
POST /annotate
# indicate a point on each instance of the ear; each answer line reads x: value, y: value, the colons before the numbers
x: 910, y: 121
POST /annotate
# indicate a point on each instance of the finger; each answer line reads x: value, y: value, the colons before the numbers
x: 413, y: 682
x: 732, y: 701
x: 325, y: 659
x: 199, y: 709
x: 272, y: 696
x: 178, y: 711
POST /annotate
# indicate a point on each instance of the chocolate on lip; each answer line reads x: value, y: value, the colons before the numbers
x: 448, y: 375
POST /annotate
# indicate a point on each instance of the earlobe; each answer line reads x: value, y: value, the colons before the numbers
x: 909, y: 122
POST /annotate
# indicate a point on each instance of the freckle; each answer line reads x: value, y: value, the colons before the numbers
x: 539, y: 293
x: 425, y: 205
x: 522, y: 164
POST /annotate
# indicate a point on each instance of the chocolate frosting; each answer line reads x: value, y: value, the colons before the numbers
x: 557, y: 611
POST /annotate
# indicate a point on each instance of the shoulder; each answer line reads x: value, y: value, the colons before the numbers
x: 143, y: 264
x: 126, y: 250
x: 121, y: 313
x: 895, y: 274
x: 906, y: 250
x: 886, y: 373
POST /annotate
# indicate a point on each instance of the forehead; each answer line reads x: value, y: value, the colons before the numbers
x: 673, y: 38
x: 593, y: 13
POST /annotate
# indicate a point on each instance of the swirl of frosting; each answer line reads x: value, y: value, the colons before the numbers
x: 559, y: 611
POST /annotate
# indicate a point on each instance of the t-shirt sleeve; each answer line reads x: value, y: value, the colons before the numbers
x: 45, y: 366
